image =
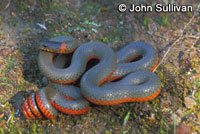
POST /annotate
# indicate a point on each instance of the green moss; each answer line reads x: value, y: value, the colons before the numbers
x: 89, y: 8
x: 146, y: 21
x: 10, y: 64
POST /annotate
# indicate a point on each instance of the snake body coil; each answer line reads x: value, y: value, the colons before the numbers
x: 138, y: 83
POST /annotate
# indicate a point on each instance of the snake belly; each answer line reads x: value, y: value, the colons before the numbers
x: 138, y: 84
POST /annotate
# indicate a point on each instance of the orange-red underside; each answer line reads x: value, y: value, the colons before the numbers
x: 68, y: 111
x: 42, y: 107
x: 35, y: 112
x: 124, y: 99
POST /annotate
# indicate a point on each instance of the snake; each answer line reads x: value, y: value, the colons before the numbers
x: 119, y: 77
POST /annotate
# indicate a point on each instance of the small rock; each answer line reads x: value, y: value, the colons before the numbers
x: 183, y: 129
x: 180, y: 113
x: 90, y: 37
x: 13, y: 14
x: 2, y: 67
x: 11, y: 43
x: 12, y: 75
x: 2, y: 115
x: 189, y: 102
x: 152, y: 117
x: 194, y: 133
x: 4, y: 51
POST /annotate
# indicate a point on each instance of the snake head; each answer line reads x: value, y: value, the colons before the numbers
x: 55, y: 47
x: 60, y: 44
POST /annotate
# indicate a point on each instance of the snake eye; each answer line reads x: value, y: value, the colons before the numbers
x: 44, y: 45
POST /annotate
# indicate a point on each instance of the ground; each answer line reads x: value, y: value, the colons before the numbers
x: 174, y: 35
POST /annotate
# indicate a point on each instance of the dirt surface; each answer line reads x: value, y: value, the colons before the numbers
x: 175, y: 110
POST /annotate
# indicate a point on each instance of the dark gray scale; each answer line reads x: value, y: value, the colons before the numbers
x: 59, y: 61
x: 45, y: 61
x: 139, y: 84
x: 136, y: 84
x: 68, y: 90
x: 148, y: 53
x: 77, y: 104
x: 79, y: 61
x: 57, y: 91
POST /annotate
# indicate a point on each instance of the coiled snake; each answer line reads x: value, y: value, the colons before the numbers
x: 138, y: 83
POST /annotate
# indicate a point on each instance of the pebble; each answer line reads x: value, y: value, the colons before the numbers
x: 152, y: 117
x: 2, y: 67
x: 190, y: 102
x: 2, y: 115
x: 183, y: 129
x: 11, y: 43
x: 180, y: 113
x: 4, y: 51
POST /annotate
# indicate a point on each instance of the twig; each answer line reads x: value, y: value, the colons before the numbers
x: 186, y: 36
x: 9, y: 119
x: 191, y: 36
x: 1, y: 105
x: 167, y: 126
x: 189, y: 22
x: 7, y: 5
x: 193, y: 92
x: 4, y: 105
x: 160, y: 36
x: 177, y: 40
x: 174, y: 121
x: 167, y: 52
